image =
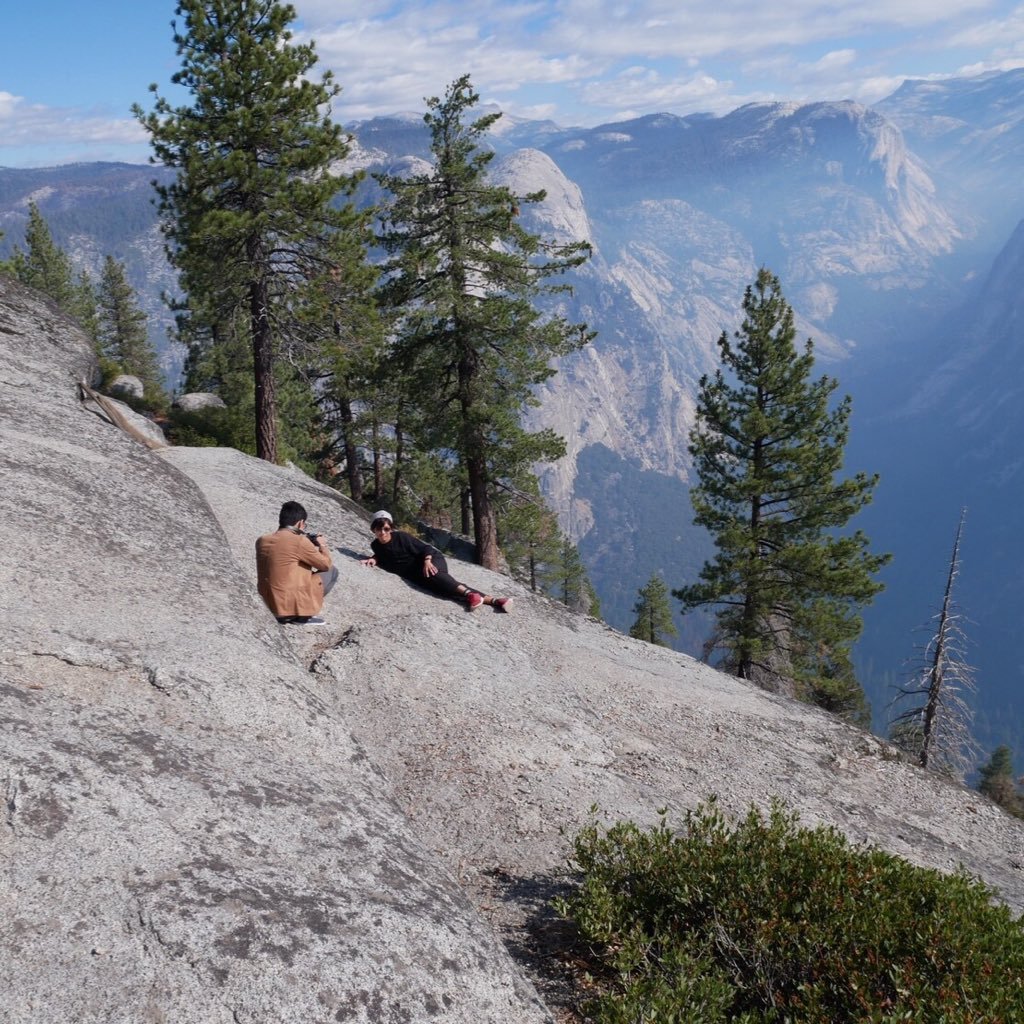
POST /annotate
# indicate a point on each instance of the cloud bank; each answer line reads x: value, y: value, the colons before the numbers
x: 584, y: 62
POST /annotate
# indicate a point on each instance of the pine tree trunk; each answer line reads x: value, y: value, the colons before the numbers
x: 396, y: 483
x: 750, y: 627
x: 485, y: 531
x: 378, y: 468
x: 263, y: 372
x: 355, y: 478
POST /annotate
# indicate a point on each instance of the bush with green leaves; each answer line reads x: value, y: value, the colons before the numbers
x: 767, y: 921
x: 213, y: 428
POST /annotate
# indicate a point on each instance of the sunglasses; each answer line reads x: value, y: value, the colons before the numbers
x: 382, y: 529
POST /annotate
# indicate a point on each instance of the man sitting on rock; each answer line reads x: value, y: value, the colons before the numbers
x: 294, y: 573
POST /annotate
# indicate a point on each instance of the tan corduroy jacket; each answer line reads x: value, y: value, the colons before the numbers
x: 284, y: 564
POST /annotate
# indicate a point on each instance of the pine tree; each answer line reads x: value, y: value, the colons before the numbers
x: 829, y: 681
x: 568, y: 582
x: 998, y: 783
x: 787, y: 580
x: 121, y: 336
x: 342, y: 351
x: 85, y: 308
x: 653, y: 614
x: 220, y: 360
x: 464, y: 275
x: 529, y: 536
x: 42, y: 264
x: 45, y: 266
x: 249, y: 215
x: 938, y: 711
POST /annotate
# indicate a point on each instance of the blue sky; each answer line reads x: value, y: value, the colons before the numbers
x: 70, y: 71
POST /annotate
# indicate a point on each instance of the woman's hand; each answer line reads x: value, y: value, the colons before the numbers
x: 429, y: 569
x: 371, y: 561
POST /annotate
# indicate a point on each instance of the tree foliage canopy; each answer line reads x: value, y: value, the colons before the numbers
x: 653, y: 613
x: 787, y: 579
x: 464, y: 277
x: 250, y: 214
x: 121, y: 329
x: 998, y: 782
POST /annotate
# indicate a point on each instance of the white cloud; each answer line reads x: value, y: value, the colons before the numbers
x: 995, y: 32
x: 643, y: 90
x: 8, y: 104
x: 834, y: 60
x: 65, y: 133
x: 587, y: 61
x: 388, y: 56
x: 705, y: 29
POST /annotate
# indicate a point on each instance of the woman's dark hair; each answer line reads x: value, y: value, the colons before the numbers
x: 377, y: 523
x: 291, y: 513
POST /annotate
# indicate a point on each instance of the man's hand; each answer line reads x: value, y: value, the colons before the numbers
x: 321, y: 543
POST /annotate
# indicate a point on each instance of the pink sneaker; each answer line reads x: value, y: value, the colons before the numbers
x: 474, y: 600
x: 501, y: 604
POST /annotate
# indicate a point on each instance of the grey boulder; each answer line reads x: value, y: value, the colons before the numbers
x: 196, y: 401
x: 126, y: 384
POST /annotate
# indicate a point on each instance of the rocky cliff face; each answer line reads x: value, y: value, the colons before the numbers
x: 209, y: 817
x: 971, y: 133
x: 190, y: 830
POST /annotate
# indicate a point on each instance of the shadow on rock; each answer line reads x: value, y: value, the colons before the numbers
x: 547, y: 946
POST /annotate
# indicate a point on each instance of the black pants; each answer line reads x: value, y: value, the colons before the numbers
x: 443, y: 583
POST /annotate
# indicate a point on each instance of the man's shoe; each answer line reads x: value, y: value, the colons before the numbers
x: 474, y: 600
x: 501, y: 604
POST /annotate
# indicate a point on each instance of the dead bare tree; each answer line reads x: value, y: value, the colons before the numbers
x: 937, y: 727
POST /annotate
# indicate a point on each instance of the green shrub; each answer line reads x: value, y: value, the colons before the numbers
x: 770, y: 922
x: 213, y: 428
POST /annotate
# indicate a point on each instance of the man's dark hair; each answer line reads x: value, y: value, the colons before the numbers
x: 291, y: 513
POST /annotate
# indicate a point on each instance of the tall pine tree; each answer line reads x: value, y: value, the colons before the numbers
x: 344, y: 336
x: 569, y: 583
x: 249, y: 215
x: 45, y: 266
x: 42, y: 264
x: 464, y: 276
x: 529, y: 536
x: 787, y: 580
x: 122, y: 337
x: 653, y: 615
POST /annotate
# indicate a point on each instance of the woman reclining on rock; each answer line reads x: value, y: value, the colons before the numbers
x: 409, y: 557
